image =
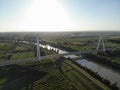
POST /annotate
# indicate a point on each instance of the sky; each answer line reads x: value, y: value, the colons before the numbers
x: 59, y: 15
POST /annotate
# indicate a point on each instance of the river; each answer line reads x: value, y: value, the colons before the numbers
x: 103, y: 70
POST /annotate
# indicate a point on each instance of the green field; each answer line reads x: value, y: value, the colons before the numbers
x: 17, y: 51
x: 80, y: 43
x: 90, y: 43
x: 50, y: 74
x: 80, y: 78
x: 33, y: 76
x: 46, y: 75
x: 20, y: 51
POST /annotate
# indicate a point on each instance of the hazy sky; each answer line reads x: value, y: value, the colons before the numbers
x: 59, y: 15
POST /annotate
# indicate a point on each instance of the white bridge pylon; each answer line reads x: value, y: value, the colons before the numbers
x: 101, y: 41
x: 38, y: 50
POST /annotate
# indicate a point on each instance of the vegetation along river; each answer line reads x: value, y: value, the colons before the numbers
x: 105, y: 71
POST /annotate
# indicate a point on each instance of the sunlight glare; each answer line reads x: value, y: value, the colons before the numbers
x: 45, y: 15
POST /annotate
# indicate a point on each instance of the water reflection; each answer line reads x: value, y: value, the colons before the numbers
x: 59, y: 51
x: 102, y: 70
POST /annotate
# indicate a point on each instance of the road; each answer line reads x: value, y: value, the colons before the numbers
x: 48, y: 56
x: 11, y: 62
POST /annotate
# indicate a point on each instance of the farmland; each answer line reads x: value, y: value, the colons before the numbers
x: 54, y: 73
x: 44, y: 76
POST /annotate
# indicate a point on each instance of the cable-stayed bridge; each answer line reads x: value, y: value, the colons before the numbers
x: 11, y: 62
x: 39, y: 57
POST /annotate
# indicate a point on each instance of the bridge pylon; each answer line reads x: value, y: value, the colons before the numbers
x: 101, y: 41
x: 38, y: 49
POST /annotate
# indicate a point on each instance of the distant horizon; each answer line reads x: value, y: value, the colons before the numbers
x: 61, y: 31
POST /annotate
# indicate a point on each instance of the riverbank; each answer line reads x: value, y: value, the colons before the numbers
x: 81, y: 79
x: 108, y: 69
x: 105, y: 59
x: 96, y: 75
x: 59, y: 50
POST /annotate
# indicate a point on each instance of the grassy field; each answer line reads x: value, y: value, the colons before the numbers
x: 22, y: 48
x: 4, y: 48
x: 78, y: 43
x: 46, y: 75
x: 80, y: 78
x: 22, y: 55
x: 19, y: 51
x: 33, y: 76
x: 88, y: 43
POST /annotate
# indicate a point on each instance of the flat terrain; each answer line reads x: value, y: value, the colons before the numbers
x: 33, y: 76
x: 81, y: 79
x: 46, y: 75
x: 19, y: 51
x: 43, y: 75
x: 16, y: 51
x: 51, y: 74
x: 89, y: 43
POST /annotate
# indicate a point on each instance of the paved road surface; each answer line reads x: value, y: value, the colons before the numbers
x: 45, y: 57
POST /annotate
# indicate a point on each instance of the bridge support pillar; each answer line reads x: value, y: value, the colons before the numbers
x: 38, y: 50
x: 101, y: 41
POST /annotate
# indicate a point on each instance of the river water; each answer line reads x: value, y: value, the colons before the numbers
x: 104, y: 71
x: 59, y: 51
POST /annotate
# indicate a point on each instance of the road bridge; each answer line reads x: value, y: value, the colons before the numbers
x: 38, y: 57
x: 11, y: 62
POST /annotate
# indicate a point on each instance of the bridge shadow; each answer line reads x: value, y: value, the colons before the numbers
x: 16, y: 76
x: 59, y: 61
